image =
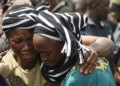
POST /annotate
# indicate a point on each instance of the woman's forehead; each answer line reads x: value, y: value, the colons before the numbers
x: 41, y: 39
x: 19, y: 32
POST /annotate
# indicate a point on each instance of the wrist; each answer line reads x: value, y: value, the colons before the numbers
x: 95, y: 46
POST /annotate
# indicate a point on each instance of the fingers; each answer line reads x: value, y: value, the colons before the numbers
x: 88, y: 67
x: 90, y: 63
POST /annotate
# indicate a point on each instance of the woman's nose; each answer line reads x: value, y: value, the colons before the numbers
x: 27, y: 46
x: 43, y: 58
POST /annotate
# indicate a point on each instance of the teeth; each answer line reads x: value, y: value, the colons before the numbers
x: 27, y: 55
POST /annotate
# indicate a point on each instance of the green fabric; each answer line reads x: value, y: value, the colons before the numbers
x: 96, y: 78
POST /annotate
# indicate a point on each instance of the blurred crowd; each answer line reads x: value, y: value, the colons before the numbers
x: 103, y: 21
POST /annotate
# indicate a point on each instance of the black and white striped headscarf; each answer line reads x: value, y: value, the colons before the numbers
x: 22, y: 17
x: 62, y: 27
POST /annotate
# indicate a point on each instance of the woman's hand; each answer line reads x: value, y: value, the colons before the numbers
x: 90, y: 62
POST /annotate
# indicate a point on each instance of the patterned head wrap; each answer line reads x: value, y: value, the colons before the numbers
x: 62, y: 27
x: 21, y: 17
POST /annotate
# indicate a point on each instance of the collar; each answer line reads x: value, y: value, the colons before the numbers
x: 60, y: 4
x: 90, y: 22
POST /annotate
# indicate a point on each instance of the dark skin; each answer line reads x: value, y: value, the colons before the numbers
x: 97, y: 48
x: 51, y: 53
x: 80, y: 6
x: 22, y: 46
x: 98, y: 11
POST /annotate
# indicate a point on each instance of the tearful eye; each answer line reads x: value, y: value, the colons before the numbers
x: 17, y: 41
x: 45, y: 54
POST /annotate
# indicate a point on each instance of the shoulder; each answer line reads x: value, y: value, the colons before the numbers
x: 9, y: 60
x: 75, y: 78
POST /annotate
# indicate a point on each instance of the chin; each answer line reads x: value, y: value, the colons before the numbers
x: 30, y: 59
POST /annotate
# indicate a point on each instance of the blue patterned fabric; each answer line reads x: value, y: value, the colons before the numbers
x: 97, y: 78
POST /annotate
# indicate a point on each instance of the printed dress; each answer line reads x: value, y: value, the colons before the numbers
x: 101, y: 76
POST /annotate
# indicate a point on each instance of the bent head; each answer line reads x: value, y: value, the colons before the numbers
x: 50, y: 50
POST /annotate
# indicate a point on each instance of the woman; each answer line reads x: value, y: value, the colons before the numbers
x: 5, y: 5
x: 25, y: 18
x: 21, y: 65
x: 57, y: 38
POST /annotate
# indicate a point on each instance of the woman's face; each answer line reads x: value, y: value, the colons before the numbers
x: 49, y: 50
x: 21, y: 42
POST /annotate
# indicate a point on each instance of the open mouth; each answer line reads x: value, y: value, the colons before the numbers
x: 29, y: 55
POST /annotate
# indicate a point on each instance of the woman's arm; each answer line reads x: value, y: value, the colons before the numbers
x: 98, y: 46
x: 103, y: 46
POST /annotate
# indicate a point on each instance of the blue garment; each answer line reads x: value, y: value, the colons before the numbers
x: 3, y: 82
x: 96, y: 78
x: 101, y: 76
x: 105, y: 30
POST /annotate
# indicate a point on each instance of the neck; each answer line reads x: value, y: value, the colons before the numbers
x: 26, y: 65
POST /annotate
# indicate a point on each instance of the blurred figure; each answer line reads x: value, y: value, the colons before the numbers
x: 10, y: 3
x: 58, y: 6
x: 97, y: 11
x: 115, y: 15
x: 3, y: 42
x: 34, y: 2
x: 0, y: 23
x: 80, y: 6
x: 38, y: 1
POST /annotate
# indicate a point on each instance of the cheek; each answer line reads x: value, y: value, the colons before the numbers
x: 15, y: 47
x: 58, y: 58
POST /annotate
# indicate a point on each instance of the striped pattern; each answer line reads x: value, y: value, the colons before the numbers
x: 60, y: 27
x: 22, y: 17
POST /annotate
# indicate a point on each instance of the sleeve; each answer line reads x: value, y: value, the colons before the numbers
x: 4, y: 69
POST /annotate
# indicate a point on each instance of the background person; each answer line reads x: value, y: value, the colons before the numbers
x: 97, y: 12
